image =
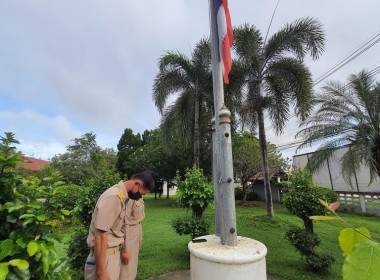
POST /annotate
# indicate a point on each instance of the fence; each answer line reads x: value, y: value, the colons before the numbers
x: 363, y: 202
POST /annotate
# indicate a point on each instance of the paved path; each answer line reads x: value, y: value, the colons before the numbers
x: 185, y: 275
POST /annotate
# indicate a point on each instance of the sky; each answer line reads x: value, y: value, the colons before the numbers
x: 68, y: 67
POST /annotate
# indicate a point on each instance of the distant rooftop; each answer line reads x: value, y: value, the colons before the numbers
x: 32, y: 164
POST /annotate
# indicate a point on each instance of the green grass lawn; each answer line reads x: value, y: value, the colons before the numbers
x: 163, y: 250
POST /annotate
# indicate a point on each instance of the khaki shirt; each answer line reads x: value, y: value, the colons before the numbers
x: 109, y: 215
x: 135, y: 213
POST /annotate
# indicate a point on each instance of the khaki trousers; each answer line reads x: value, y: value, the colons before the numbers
x: 129, y: 271
x: 112, y: 266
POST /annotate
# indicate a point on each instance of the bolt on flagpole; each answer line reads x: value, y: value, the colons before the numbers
x: 225, y: 214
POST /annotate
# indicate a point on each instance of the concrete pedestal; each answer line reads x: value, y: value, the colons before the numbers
x: 212, y: 260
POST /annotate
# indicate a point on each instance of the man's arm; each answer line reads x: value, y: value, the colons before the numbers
x: 101, y: 242
x: 126, y: 254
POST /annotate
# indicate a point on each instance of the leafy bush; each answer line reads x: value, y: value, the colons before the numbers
x: 302, y: 200
x: 302, y: 240
x: 319, y: 262
x: 194, y: 226
x: 301, y: 177
x: 305, y: 242
x: 238, y: 194
x: 96, y: 186
x: 194, y: 192
x: 327, y: 194
x: 68, y: 195
x: 26, y: 237
x: 252, y: 196
x: 77, y: 252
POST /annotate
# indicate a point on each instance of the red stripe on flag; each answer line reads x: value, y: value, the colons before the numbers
x: 227, y: 43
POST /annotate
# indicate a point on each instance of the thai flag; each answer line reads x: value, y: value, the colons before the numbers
x: 225, y: 36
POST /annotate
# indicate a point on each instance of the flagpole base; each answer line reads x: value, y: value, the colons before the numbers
x: 212, y: 260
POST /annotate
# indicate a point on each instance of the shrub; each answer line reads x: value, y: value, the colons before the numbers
x: 194, y: 192
x: 327, y: 194
x: 302, y: 199
x: 238, y: 194
x: 194, y: 226
x: 305, y: 242
x: 96, y: 186
x: 77, y: 252
x: 68, y: 195
x: 302, y: 240
x: 319, y: 262
x: 252, y: 196
x: 28, y: 207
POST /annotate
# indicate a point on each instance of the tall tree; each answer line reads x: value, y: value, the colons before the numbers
x: 191, y: 80
x: 127, y: 145
x: 276, y: 78
x: 347, y: 114
x: 81, y: 160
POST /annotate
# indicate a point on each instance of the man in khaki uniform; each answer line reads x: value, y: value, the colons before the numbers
x: 105, y: 234
x: 135, y: 213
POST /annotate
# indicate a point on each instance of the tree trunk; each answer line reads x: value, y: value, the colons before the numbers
x: 196, y: 130
x: 264, y: 159
x: 308, y: 223
x: 244, y: 199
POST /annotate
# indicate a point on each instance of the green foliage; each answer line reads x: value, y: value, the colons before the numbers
x: 303, y: 198
x: 194, y: 192
x: 363, y: 262
x: 94, y: 188
x: 305, y: 242
x: 302, y: 240
x: 151, y: 155
x: 77, y: 252
x: 128, y: 144
x: 27, y: 241
x: 301, y: 177
x: 238, y: 194
x: 320, y: 262
x: 252, y: 196
x: 194, y: 226
x: 83, y: 160
x: 349, y: 237
x: 68, y: 195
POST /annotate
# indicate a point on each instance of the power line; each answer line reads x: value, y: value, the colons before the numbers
x: 347, y: 59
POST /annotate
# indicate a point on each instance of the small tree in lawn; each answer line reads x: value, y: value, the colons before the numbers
x: 303, y: 201
x: 196, y: 193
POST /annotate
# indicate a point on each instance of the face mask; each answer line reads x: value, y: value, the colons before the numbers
x: 134, y: 196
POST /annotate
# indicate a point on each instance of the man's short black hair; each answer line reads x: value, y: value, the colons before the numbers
x: 148, y: 179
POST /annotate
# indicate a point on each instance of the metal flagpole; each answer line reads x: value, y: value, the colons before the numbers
x: 225, y: 214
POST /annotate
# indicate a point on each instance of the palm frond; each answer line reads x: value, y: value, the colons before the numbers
x: 302, y: 36
x: 168, y: 82
x: 348, y: 115
x: 248, y: 43
x: 287, y: 81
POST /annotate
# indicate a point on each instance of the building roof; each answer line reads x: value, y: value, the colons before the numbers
x: 32, y: 164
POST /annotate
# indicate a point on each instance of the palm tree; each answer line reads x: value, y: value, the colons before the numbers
x: 191, y: 79
x: 346, y: 115
x: 276, y: 78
